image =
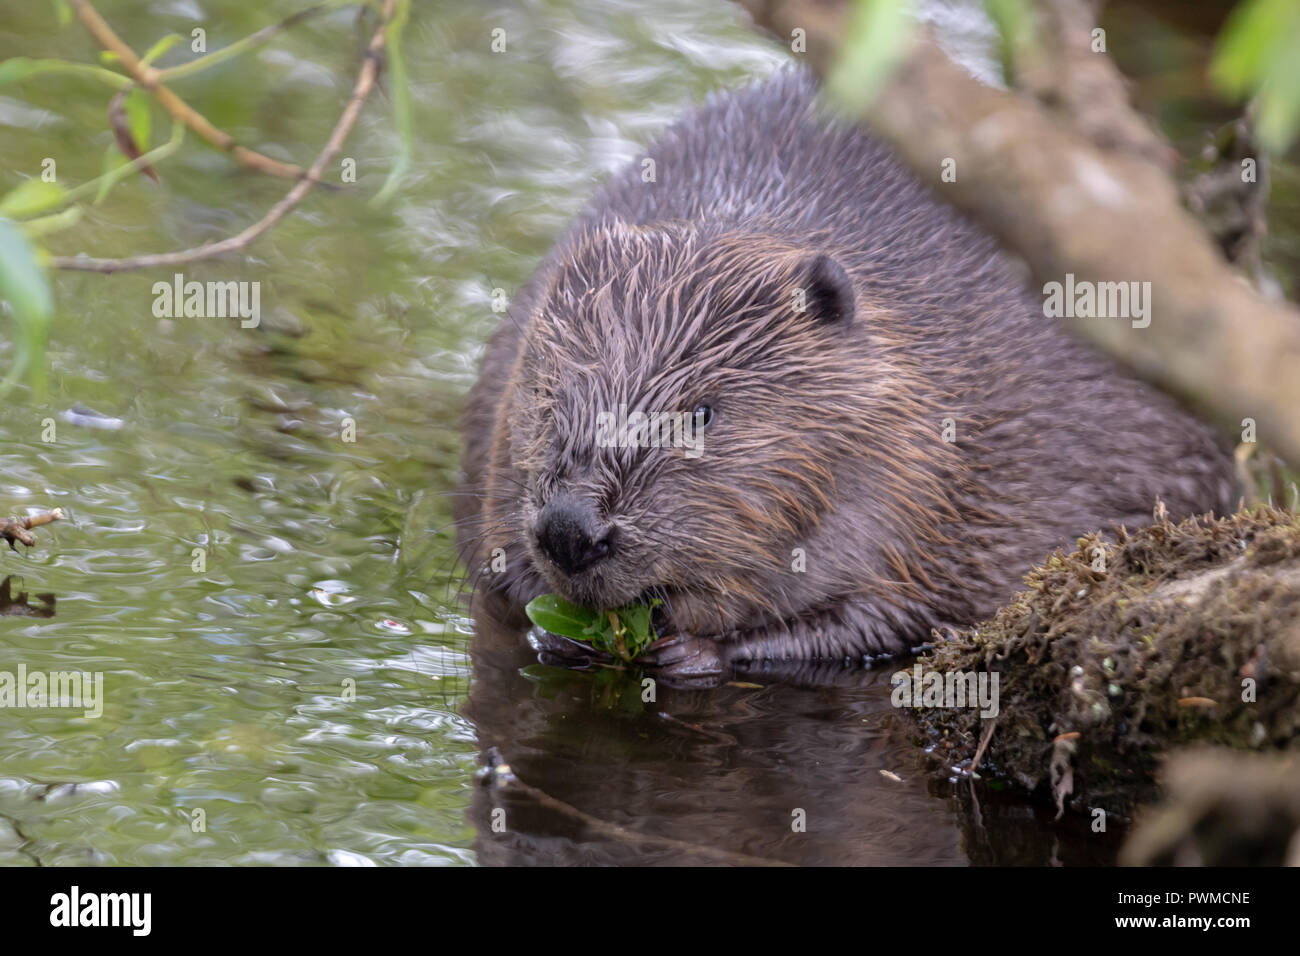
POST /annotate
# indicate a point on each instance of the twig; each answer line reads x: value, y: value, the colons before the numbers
x: 87, y: 70
x: 19, y: 529
x: 101, y: 184
x: 365, y: 83
x: 150, y: 78
x: 25, y: 847
x: 239, y: 46
x: 983, y: 745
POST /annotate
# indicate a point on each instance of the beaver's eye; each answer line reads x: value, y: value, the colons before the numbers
x: 703, y: 415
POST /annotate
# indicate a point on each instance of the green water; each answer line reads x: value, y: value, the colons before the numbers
x: 311, y: 689
x: 327, y: 561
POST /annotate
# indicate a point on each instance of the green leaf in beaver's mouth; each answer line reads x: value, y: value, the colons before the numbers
x: 553, y: 613
x: 623, y: 632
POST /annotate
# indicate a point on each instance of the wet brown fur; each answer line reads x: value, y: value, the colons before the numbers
x: 827, y: 434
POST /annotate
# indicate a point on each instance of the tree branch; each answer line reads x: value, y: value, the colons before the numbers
x: 365, y: 83
x: 149, y: 78
x: 252, y: 41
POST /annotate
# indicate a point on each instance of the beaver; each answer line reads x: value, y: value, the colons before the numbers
x: 892, y: 431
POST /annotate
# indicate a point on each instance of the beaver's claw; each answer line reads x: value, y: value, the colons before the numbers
x: 559, y: 651
x: 684, y: 660
x: 679, y: 660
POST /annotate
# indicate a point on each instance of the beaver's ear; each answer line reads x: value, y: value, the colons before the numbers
x: 827, y: 290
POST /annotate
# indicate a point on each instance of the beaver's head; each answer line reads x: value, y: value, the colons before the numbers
x: 682, y: 406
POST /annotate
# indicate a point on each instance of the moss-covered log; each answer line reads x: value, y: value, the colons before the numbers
x: 1128, y: 646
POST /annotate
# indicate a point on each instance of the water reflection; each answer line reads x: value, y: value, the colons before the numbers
x: 18, y: 605
x: 727, y: 775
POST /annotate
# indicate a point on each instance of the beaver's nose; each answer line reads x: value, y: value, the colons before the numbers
x: 569, y: 533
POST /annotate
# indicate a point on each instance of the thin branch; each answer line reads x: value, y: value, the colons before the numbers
x: 149, y: 78
x: 100, y: 184
x: 985, y: 737
x: 29, y: 68
x: 365, y: 83
x: 252, y: 41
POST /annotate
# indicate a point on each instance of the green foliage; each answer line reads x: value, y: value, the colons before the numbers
x: 877, y: 37
x: 623, y: 632
x: 32, y: 197
x: 553, y: 613
x: 138, y: 119
x: 39, y: 205
x: 47, y: 225
x: 117, y: 168
x: 113, y: 161
x: 25, y: 285
x: 1013, y: 19
x: 63, y: 12
x: 1259, y: 54
x: 161, y: 47
x: 401, y: 102
x: 22, y: 68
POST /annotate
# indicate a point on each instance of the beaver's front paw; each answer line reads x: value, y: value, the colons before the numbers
x: 684, y: 660
x: 558, y: 651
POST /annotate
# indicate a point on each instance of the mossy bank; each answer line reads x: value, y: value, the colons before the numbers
x: 1125, y: 647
